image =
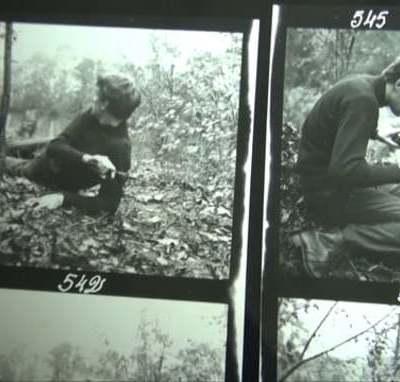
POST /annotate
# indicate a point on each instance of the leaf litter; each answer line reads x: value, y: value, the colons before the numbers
x: 163, y: 226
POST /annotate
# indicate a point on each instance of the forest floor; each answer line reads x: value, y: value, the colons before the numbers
x: 351, y: 266
x: 164, y: 226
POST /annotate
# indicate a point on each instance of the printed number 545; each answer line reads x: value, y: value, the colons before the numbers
x: 369, y: 19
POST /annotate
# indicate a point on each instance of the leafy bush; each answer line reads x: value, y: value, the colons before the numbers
x: 298, y: 103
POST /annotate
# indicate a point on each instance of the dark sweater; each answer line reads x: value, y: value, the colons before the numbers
x: 86, y: 135
x: 335, y: 137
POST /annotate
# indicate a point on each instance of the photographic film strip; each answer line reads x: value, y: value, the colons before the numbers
x: 139, y: 293
x: 331, y: 277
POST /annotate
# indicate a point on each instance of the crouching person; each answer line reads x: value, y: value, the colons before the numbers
x: 339, y: 186
x: 94, y: 149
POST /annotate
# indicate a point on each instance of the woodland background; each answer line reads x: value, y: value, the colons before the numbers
x: 338, y: 341
x: 161, y: 340
x: 151, y: 359
x: 315, y: 60
x: 176, y: 216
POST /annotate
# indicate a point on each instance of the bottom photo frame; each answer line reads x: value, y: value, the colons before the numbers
x: 47, y: 336
x: 327, y: 340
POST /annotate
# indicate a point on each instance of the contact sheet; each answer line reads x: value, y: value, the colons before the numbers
x: 200, y: 192
x: 156, y: 289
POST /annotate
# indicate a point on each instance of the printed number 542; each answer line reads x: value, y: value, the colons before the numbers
x: 72, y: 280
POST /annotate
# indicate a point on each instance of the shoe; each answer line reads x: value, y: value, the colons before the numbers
x: 319, y: 250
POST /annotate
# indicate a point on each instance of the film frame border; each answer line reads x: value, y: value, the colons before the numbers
x: 242, y: 144
x: 242, y: 129
x: 296, y: 17
x: 306, y: 14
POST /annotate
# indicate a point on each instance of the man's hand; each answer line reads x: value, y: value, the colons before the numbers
x: 50, y: 201
x: 390, y: 136
x: 102, y: 164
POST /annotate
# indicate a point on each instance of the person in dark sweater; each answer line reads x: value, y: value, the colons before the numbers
x: 339, y: 186
x: 94, y: 149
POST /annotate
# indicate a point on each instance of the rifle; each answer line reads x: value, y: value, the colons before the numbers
x: 125, y: 175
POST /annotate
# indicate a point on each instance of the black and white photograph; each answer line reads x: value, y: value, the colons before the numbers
x: 46, y: 336
x: 340, y: 157
x: 120, y: 148
x: 323, y: 340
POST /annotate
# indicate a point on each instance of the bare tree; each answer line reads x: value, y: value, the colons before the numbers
x: 302, y: 361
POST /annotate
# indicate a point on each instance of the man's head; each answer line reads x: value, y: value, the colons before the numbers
x: 392, y: 90
x: 117, y: 96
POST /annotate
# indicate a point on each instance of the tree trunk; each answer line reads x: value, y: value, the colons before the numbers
x: 5, y: 97
x: 397, y: 347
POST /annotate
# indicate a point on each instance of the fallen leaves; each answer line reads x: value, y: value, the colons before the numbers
x: 164, y: 226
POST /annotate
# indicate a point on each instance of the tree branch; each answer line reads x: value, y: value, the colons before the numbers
x: 306, y: 360
x: 317, y: 328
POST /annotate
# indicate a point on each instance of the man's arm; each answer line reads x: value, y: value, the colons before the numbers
x: 61, y: 148
x: 348, y: 166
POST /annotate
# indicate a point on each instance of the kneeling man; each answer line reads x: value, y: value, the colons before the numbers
x: 338, y: 184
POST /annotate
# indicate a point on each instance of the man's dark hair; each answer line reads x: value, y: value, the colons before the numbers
x: 392, y: 73
x: 122, y: 97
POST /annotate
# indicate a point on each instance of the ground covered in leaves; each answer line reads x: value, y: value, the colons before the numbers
x: 164, y: 226
x: 354, y: 266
